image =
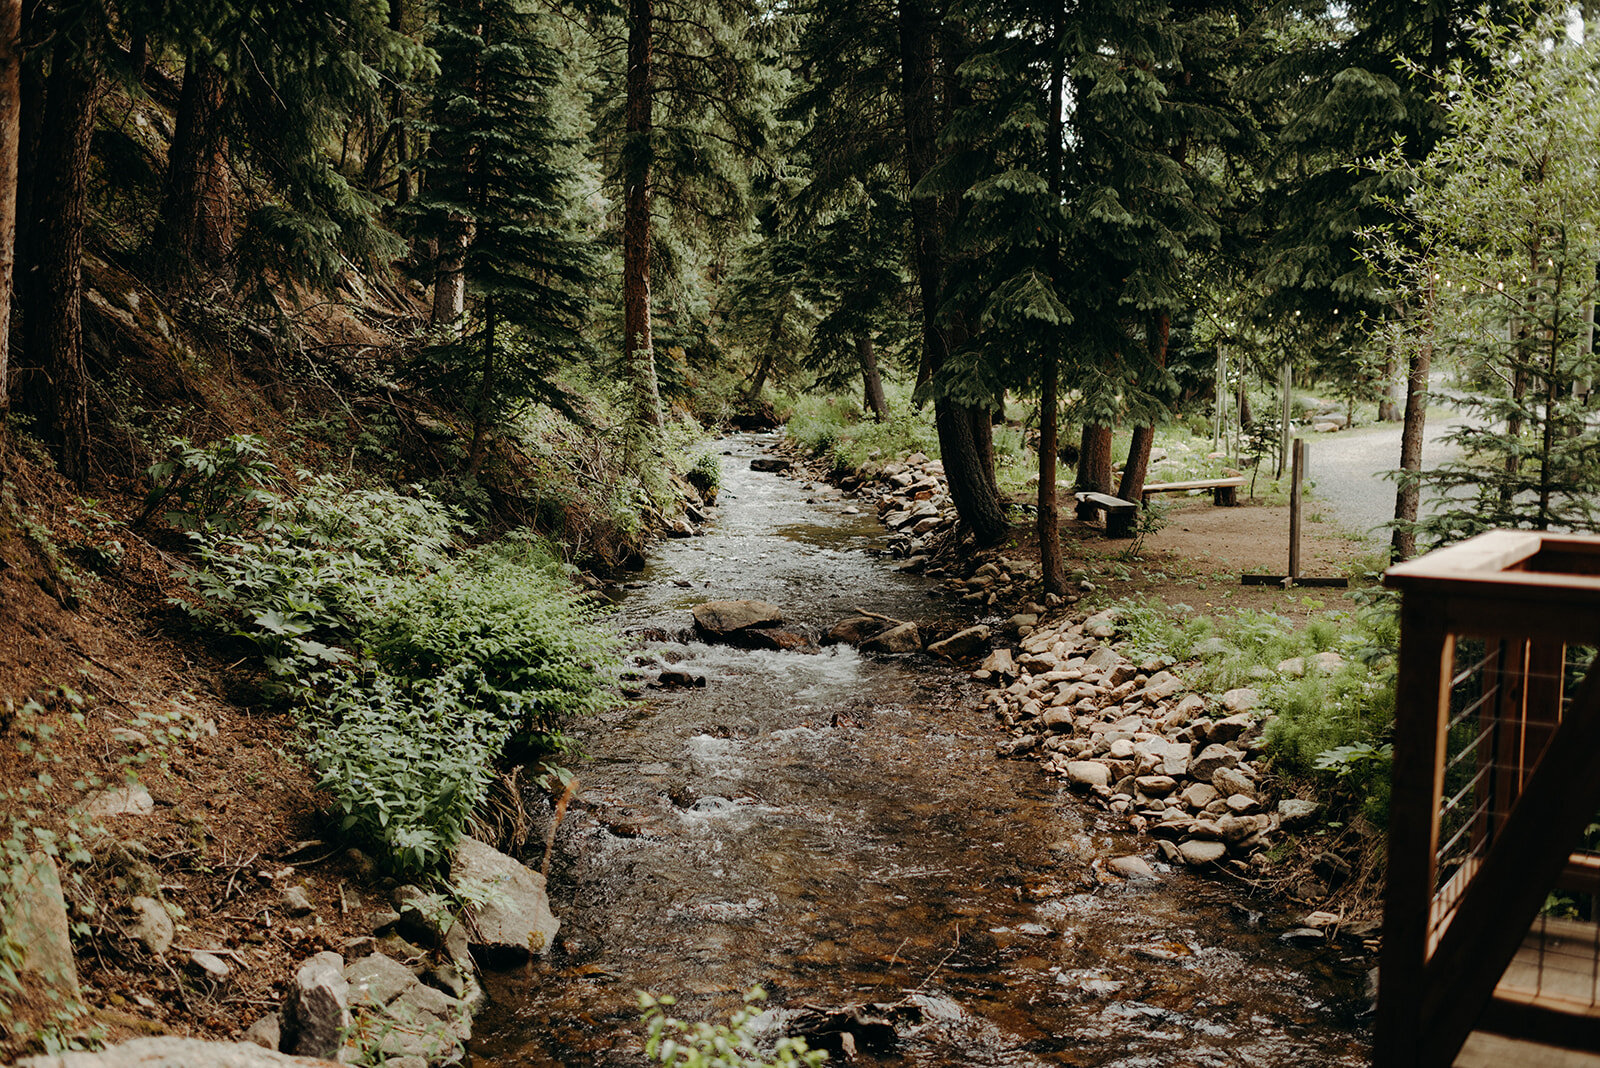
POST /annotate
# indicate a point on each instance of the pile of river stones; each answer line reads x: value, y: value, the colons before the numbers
x: 1182, y: 768
x: 1136, y: 737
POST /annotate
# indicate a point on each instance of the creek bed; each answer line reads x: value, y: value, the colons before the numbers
x: 836, y: 828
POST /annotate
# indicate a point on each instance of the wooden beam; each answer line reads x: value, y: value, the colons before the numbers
x: 1518, y: 871
x: 1427, y: 654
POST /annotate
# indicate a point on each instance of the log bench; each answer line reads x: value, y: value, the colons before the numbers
x: 1224, y: 491
x: 1120, y: 515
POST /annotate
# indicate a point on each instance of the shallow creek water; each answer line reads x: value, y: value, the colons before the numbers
x: 837, y: 828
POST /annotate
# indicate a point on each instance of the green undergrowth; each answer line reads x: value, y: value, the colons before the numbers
x: 1328, y: 728
x: 413, y: 658
x: 681, y: 1044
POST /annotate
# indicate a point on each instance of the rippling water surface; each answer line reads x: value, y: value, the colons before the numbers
x: 836, y: 828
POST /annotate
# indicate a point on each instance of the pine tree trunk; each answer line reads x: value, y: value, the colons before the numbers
x: 449, y: 277
x: 759, y: 381
x: 965, y: 443
x: 1094, y: 460
x: 636, y: 216
x: 1403, y: 543
x: 196, y: 224
x: 10, y: 118
x: 1247, y: 417
x: 1051, y: 570
x: 480, y: 410
x: 1138, y: 465
x: 54, y: 384
x: 871, y: 382
x: 1389, y: 410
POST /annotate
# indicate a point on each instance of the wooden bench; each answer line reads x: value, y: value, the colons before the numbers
x: 1120, y: 515
x: 1224, y: 491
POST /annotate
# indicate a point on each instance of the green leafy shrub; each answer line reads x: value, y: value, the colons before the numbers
x: 732, y: 1045
x: 223, y: 486
x: 300, y: 586
x: 506, y: 612
x: 405, y: 761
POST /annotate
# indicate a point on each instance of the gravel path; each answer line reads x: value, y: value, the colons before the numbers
x: 1347, y: 470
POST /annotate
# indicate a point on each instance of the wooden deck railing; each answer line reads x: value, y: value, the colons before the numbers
x: 1496, y: 786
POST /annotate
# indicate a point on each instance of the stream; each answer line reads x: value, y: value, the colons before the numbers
x: 836, y: 827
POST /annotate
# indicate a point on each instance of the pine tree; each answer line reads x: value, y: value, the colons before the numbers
x: 1494, y: 259
x: 490, y: 176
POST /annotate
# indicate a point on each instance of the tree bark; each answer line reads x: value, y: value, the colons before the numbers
x: 871, y: 382
x: 965, y: 442
x: 1389, y: 410
x: 1052, y: 573
x: 449, y: 276
x: 480, y: 410
x: 640, y: 354
x: 54, y: 384
x: 1408, y: 493
x: 759, y: 380
x: 196, y: 224
x: 1138, y: 465
x: 10, y: 118
x: 1094, y: 460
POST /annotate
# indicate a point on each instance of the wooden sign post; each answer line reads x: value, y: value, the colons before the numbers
x: 1297, y: 478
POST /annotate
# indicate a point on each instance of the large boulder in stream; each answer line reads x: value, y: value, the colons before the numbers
x: 724, y: 619
x: 854, y: 630
x: 514, y: 921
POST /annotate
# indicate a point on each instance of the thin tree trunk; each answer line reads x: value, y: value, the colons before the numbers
x: 196, y: 224
x: 1052, y: 573
x: 1408, y: 493
x: 1389, y: 410
x: 1094, y: 460
x: 759, y: 380
x: 55, y: 386
x: 449, y: 277
x: 10, y: 118
x: 480, y: 410
x: 1138, y: 465
x: 871, y: 382
x: 637, y: 166
x: 1247, y: 417
x: 965, y: 445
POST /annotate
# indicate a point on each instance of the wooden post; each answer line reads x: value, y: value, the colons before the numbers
x: 1296, y: 491
x: 1287, y: 384
x: 1422, y: 704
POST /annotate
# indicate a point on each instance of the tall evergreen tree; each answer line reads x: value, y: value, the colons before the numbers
x: 490, y: 177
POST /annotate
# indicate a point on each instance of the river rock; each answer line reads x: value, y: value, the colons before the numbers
x: 1232, y: 781
x: 171, y: 1052
x: 1131, y: 867
x: 771, y: 464
x: 721, y: 619
x: 1212, y: 757
x: 904, y: 638
x: 1230, y: 728
x: 316, y: 1011
x: 1198, y: 795
x: 516, y: 921
x: 1101, y: 624
x: 406, y: 1017
x: 1156, y: 785
x: 209, y: 964
x: 1088, y: 773
x: 1197, y: 853
x: 1161, y: 685
x: 1241, y: 699
x: 1327, y: 661
x: 129, y: 800
x: 962, y: 643
x: 1058, y: 720
x: 999, y: 663
x: 1242, y: 804
x: 33, y: 915
x: 1296, y: 812
x: 1188, y: 707
x: 151, y: 925
x: 295, y: 902
x: 854, y: 630
x: 266, y: 1032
